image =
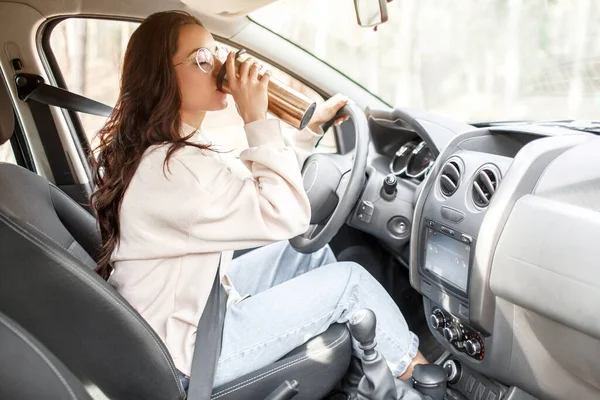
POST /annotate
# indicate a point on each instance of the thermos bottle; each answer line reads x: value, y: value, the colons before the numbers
x: 285, y: 102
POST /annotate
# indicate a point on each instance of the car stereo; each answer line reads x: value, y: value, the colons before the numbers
x: 447, y: 256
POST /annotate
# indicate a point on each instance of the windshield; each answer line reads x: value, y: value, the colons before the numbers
x: 472, y: 60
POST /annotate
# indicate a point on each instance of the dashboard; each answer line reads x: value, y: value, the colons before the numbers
x: 495, y: 227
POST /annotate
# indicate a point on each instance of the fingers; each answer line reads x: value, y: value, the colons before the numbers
x: 253, y: 74
x: 336, y: 102
x: 264, y: 80
x: 339, y: 98
x: 338, y: 121
x: 250, y: 92
x: 245, y: 69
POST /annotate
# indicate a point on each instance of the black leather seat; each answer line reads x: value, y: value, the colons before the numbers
x: 29, y: 371
x: 47, y: 285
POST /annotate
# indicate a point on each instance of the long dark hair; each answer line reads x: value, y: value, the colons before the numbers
x: 146, y: 113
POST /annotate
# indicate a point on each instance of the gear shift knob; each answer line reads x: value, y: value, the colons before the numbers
x: 430, y: 380
x: 362, y: 326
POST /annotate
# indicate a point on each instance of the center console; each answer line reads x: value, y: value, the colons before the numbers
x: 452, y: 213
x: 449, y: 215
x: 456, y: 230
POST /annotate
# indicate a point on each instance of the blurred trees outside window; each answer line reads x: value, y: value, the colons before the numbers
x: 472, y: 60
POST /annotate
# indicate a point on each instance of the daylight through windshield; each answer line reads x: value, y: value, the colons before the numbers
x: 473, y: 60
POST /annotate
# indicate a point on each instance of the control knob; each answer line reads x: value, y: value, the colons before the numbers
x: 473, y: 347
x: 437, y: 320
x: 452, y: 334
x: 453, y: 370
x: 389, y: 184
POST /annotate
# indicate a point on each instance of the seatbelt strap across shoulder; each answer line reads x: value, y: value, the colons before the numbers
x: 208, y: 341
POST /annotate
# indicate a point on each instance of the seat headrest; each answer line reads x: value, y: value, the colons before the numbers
x: 7, y: 115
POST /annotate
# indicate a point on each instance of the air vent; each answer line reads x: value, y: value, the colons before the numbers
x: 450, y: 178
x: 485, y: 185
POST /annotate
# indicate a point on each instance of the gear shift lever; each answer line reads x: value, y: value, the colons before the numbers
x: 377, y: 382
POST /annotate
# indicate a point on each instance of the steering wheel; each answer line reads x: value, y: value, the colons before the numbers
x: 333, y: 183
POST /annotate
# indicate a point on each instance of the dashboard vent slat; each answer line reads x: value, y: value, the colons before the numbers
x: 450, y: 177
x: 453, y: 171
x: 482, y: 199
x: 484, y: 186
x: 447, y: 185
x: 487, y: 182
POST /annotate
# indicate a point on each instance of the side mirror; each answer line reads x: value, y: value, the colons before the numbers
x: 371, y: 12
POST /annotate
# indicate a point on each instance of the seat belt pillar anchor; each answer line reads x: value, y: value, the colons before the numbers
x: 26, y: 84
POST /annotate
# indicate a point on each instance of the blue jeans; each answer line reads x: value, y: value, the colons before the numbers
x: 295, y: 297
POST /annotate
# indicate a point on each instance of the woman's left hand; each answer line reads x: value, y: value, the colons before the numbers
x: 327, y: 110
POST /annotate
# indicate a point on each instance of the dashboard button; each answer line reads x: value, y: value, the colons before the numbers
x: 470, y: 384
x: 399, y: 226
x: 451, y: 214
x: 366, y: 218
x: 367, y: 207
x: 480, y: 392
x: 365, y: 211
x: 431, y: 224
x: 447, y: 230
x: 466, y: 239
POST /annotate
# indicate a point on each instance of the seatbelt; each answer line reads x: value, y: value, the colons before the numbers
x: 32, y: 87
x: 208, y: 342
x: 32, y: 90
x: 57, y: 159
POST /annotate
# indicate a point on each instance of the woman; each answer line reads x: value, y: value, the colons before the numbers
x: 168, y: 207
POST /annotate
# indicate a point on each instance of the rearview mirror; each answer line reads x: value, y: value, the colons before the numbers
x: 371, y: 12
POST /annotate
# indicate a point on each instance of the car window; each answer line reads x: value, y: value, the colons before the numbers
x: 7, y: 154
x: 89, y: 54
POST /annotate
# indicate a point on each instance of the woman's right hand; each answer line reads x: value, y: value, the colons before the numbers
x: 248, y: 91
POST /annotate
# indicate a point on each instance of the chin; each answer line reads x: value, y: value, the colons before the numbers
x: 220, y: 102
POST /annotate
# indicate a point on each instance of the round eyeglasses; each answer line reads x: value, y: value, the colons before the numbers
x: 205, y: 59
